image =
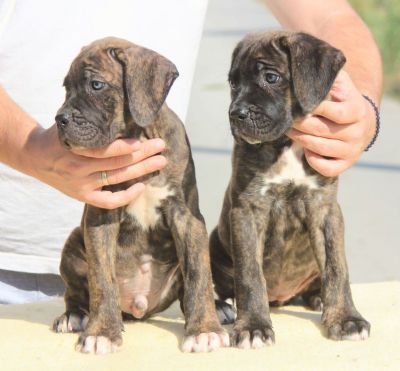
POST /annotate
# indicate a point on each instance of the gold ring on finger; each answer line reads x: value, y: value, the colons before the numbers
x: 104, y: 178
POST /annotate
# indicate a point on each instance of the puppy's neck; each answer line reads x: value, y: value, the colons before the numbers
x: 275, y: 146
x: 259, y: 157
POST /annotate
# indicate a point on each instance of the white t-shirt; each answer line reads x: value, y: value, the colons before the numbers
x: 38, y: 41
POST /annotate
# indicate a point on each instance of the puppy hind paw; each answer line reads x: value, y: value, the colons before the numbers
x: 314, y: 302
x: 252, y: 338
x: 97, y: 344
x: 350, y: 329
x: 70, y: 322
x: 225, y: 312
x: 205, y: 342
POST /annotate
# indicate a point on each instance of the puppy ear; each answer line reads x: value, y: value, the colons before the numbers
x: 147, y: 79
x: 314, y: 65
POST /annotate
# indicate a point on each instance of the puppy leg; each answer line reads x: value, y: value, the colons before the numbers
x: 203, y: 331
x: 103, y: 331
x: 339, y: 316
x: 253, y: 327
x: 222, y: 275
x: 73, y: 269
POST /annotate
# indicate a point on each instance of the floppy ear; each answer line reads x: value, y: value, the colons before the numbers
x: 314, y: 65
x: 147, y: 79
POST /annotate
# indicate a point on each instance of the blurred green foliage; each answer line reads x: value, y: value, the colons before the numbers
x: 383, y: 19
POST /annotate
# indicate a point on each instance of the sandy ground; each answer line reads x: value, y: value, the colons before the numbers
x: 27, y: 343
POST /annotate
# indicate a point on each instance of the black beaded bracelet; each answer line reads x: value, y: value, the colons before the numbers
x: 378, y: 121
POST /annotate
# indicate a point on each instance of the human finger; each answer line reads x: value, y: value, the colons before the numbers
x: 328, y: 167
x: 345, y: 112
x: 147, y: 149
x: 322, y: 127
x: 342, y: 88
x: 322, y: 146
x: 112, y: 200
x: 117, y: 148
x: 116, y: 176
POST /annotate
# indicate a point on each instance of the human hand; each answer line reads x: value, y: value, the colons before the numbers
x: 337, y: 132
x: 78, y: 173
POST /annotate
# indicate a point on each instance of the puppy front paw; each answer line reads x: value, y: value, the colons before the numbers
x: 102, y: 335
x: 97, y: 344
x: 254, y: 334
x: 349, y: 329
x: 205, y: 342
x: 70, y: 322
x: 346, y: 326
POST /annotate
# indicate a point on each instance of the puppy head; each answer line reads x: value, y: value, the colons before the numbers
x: 275, y: 78
x: 111, y: 86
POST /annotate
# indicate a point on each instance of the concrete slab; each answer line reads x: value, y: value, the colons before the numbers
x: 27, y: 343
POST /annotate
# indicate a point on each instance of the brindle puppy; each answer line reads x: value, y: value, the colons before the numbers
x: 281, y: 229
x: 137, y: 259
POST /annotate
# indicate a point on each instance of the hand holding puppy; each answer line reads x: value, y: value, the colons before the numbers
x: 77, y: 173
x: 338, y: 131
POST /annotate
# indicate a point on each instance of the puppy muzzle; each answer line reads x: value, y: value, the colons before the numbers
x: 254, y: 126
x: 251, y: 126
x: 74, y: 131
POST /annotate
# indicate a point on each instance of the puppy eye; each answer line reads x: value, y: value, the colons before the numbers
x: 97, y: 85
x: 272, y: 78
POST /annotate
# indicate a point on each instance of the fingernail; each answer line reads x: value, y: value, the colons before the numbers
x: 136, y: 145
x: 140, y: 187
x: 163, y: 161
x: 159, y: 144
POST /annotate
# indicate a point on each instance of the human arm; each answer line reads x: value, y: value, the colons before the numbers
x: 30, y: 149
x: 339, y: 131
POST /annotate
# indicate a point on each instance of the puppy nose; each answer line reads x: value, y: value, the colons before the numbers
x: 62, y: 119
x: 240, y: 113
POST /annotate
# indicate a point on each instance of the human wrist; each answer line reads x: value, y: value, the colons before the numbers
x: 16, y: 152
x: 16, y: 129
x: 33, y: 159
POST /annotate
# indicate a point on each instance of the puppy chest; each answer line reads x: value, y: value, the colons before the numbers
x: 289, y: 170
x: 146, y: 208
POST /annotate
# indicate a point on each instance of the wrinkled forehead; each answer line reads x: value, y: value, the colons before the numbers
x: 264, y: 47
x: 96, y: 59
x: 92, y: 62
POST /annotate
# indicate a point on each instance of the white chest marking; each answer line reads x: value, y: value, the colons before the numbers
x: 291, y: 170
x: 144, y: 208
